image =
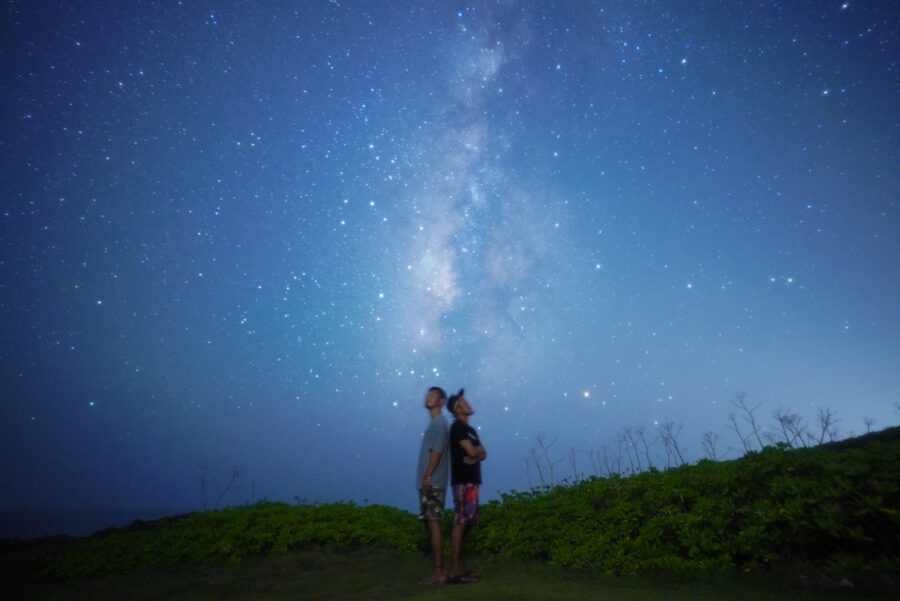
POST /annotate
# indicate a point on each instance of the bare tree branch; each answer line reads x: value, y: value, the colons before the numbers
x: 709, y: 443
x: 827, y: 421
x: 623, y: 443
x: 792, y: 427
x: 870, y: 423
x: 669, y: 435
x: 612, y: 465
x: 640, y: 435
x: 573, y: 454
x: 632, y: 447
x: 592, y: 455
x: 236, y: 475
x: 740, y: 402
x: 203, y: 477
x: 733, y: 425
x: 536, y: 461
x: 543, y: 463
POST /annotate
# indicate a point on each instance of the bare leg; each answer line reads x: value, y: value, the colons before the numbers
x: 458, y: 543
x: 438, y: 574
x: 437, y: 544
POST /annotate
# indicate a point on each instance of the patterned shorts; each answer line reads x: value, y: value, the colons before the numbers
x: 431, y: 503
x: 465, y: 504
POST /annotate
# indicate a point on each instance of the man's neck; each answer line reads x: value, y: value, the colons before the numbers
x: 435, y: 411
x: 463, y: 418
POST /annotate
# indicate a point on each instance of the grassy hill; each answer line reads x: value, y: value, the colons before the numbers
x: 830, y: 510
x: 836, y: 506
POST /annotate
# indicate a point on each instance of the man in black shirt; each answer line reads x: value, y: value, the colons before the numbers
x: 466, y: 455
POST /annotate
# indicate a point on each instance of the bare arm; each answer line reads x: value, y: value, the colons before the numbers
x: 475, y: 454
x: 432, y: 465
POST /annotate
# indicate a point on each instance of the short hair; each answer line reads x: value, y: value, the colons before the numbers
x: 451, y: 404
x: 440, y: 392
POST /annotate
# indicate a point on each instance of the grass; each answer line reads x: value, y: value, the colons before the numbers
x: 375, y: 574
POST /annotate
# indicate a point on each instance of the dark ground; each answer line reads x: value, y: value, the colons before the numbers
x: 373, y: 574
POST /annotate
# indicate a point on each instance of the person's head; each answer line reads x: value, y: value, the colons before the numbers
x: 459, y: 406
x: 435, y: 397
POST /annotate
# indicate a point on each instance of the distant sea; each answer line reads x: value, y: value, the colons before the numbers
x: 34, y: 522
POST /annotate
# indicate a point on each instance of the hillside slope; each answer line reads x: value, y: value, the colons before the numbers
x: 834, y: 506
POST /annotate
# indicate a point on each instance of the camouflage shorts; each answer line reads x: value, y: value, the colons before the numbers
x: 431, y: 503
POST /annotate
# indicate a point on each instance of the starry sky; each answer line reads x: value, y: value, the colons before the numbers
x: 251, y: 235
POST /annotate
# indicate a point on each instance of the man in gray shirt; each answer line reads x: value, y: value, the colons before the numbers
x: 431, y: 479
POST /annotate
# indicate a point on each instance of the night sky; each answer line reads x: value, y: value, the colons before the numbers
x: 252, y: 235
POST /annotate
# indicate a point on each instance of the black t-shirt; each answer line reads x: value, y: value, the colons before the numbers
x: 460, y: 471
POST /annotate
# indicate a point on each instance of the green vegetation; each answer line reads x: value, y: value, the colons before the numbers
x: 236, y: 533
x: 834, y: 508
x: 827, y: 513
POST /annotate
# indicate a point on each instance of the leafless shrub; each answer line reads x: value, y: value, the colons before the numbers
x: 542, y: 462
x: 623, y: 444
x: 203, y: 477
x: 534, y: 461
x: 639, y: 433
x: 708, y: 444
x: 668, y: 433
x: 827, y: 422
x: 236, y: 475
x: 612, y: 463
x: 870, y: 423
x: 632, y: 449
x: 792, y: 427
x: 206, y: 478
x: 748, y: 415
x: 573, y: 461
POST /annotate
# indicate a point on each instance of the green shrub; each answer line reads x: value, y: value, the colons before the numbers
x: 236, y: 533
x: 836, y: 507
x: 816, y: 505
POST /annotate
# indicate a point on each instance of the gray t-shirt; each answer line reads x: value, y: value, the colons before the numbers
x: 435, y: 439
